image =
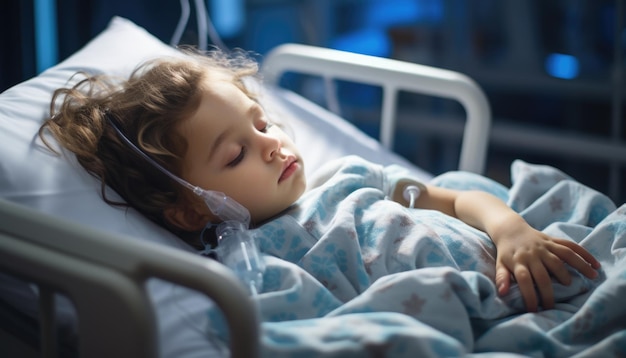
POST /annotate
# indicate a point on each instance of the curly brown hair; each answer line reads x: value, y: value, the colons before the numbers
x: 147, y: 107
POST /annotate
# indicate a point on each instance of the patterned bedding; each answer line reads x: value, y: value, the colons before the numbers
x: 350, y: 273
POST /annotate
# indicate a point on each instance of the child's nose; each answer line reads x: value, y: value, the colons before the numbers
x: 270, y: 146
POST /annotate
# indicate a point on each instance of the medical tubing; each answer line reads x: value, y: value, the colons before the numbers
x: 182, y: 23
x: 224, y: 207
x: 410, y: 194
x: 204, y: 23
x: 219, y: 203
x: 237, y: 249
x: 201, y: 19
x: 206, y: 28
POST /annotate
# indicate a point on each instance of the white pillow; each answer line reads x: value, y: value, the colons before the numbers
x: 32, y: 175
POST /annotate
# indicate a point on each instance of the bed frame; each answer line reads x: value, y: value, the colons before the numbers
x: 392, y: 76
x: 97, y: 269
x: 92, y: 266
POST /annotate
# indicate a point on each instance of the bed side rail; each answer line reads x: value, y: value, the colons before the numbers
x: 96, y: 268
x: 392, y: 76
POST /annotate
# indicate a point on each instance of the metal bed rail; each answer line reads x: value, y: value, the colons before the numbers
x: 392, y: 76
x: 104, y: 276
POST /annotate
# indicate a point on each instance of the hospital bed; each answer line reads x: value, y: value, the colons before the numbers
x: 81, y: 278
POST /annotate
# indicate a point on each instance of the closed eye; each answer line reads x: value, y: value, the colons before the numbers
x: 267, y: 126
x: 260, y: 118
x: 238, y: 159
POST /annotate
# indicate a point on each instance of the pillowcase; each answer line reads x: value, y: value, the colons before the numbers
x: 32, y: 175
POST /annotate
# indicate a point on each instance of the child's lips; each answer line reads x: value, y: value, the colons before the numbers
x: 290, y: 166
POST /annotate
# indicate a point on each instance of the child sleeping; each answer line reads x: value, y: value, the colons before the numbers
x: 194, y: 116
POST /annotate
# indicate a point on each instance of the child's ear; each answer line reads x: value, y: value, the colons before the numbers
x: 187, y: 217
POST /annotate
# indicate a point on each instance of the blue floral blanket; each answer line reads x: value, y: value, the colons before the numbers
x: 351, y: 274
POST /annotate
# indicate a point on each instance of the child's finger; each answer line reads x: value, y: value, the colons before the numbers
x: 576, y: 257
x: 503, y: 279
x: 527, y: 288
x: 557, y: 268
x: 543, y: 284
x: 581, y: 251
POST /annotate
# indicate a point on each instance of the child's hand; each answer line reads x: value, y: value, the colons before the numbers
x: 530, y: 257
x: 526, y: 255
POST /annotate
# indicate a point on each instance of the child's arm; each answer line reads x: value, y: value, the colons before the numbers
x: 526, y: 254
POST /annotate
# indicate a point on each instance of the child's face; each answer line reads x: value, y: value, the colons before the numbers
x: 233, y: 148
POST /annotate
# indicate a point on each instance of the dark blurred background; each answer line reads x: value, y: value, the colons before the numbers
x: 552, y: 70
